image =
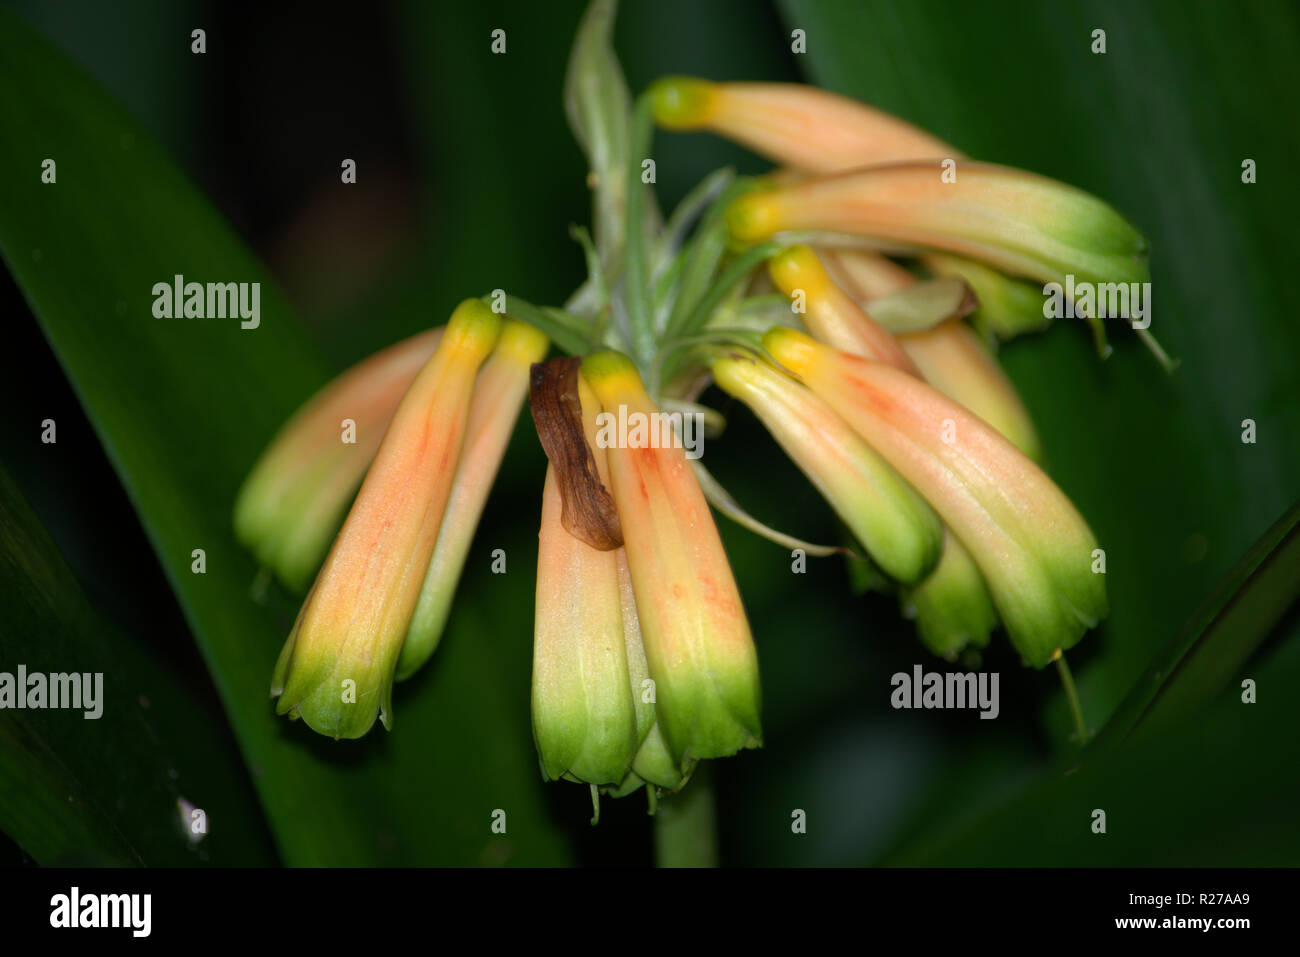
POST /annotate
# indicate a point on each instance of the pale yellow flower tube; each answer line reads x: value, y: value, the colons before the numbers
x: 498, y: 396
x: 894, y: 524
x: 697, y: 640
x: 336, y: 669
x: 292, y: 501
x: 1030, y: 543
x: 792, y: 124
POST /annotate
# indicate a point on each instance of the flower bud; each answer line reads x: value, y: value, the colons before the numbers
x: 792, y: 124
x: 697, y: 641
x: 498, y: 396
x: 894, y: 524
x: 295, y: 496
x: 336, y: 669
x: 1032, y: 546
x: 584, y: 722
x: 1021, y: 223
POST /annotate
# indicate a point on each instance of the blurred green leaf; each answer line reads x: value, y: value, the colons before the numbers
x: 1220, y: 637
x: 105, y: 790
x: 1157, y: 782
x: 183, y: 406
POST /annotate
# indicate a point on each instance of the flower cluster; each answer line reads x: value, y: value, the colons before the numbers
x: 849, y: 299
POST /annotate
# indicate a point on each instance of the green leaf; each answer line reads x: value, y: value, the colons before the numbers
x: 1186, y: 724
x: 1218, y: 639
x: 1214, y: 789
x: 152, y: 744
x: 183, y: 406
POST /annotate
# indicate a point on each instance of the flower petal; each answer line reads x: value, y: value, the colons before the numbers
x: 1032, y: 546
x: 792, y: 124
x: 697, y: 640
x: 1024, y: 224
x: 295, y: 496
x: 336, y: 669
x: 498, y: 396
x: 893, y: 523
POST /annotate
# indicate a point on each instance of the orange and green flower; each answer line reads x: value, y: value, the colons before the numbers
x: 336, y: 669
x: 797, y: 126
x: 697, y: 640
x: 880, y: 240
x: 1029, y: 542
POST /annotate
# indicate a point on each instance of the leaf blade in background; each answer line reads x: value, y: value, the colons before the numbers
x: 66, y: 803
x: 182, y: 408
x: 1202, y: 757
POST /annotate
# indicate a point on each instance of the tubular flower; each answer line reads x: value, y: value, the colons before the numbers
x: 584, y: 719
x: 1030, y: 543
x: 786, y: 121
x: 336, y: 669
x: 953, y: 360
x: 795, y: 125
x: 296, y: 494
x: 947, y: 355
x: 697, y: 641
x: 1023, y: 224
x: 643, y: 659
x: 952, y: 606
x: 894, y: 524
x: 498, y: 396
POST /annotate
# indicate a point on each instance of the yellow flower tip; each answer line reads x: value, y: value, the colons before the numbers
x: 521, y: 342
x: 791, y: 348
x: 799, y: 268
x: 682, y: 102
x: 473, y: 329
x: 499, y: 393
x: 753, y: 217
x: 610, y: 373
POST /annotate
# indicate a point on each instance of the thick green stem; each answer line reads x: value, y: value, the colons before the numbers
x: 686, y: 833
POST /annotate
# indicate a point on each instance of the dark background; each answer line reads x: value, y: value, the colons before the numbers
x: 468, y: 180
